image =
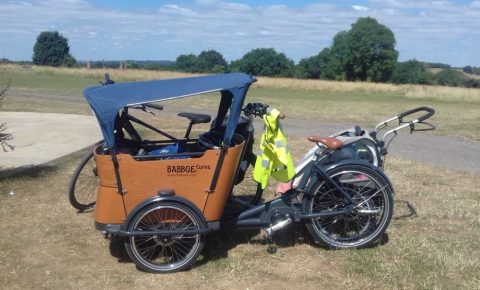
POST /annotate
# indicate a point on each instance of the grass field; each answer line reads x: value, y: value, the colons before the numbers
x: 45, y: 243
x: 360, y: 103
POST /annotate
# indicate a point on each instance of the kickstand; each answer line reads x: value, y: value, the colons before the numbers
x: 271, y: 247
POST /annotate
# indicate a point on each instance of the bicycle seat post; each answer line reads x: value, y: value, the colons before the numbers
x: 194, y: 119
x: 189, y: 129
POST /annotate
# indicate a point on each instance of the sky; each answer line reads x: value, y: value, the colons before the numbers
x: 428, y: 30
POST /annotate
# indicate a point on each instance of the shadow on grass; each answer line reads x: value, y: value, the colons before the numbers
x: 218, y: 244
x: 39, y: 170
x: 31, y: 171
x: 404, y: 210
x: 117, y: 250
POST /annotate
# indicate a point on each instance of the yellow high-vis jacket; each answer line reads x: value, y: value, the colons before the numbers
x: 274, y: 157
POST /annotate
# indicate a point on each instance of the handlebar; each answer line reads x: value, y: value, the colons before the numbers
x: 108, y: 80
x: 404, y: 124
x: 430, y: 112
x: 143, y: 107
x: 259, y: 110
x: 384, y: 124
x: 154, y: 106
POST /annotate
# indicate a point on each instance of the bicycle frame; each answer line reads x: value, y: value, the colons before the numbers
x: 261, y: 216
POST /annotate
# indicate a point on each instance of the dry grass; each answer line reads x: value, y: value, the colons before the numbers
x: 115, y: 74
x: 419, y: 92
x: 46, y: 244
x: 323, y: 85
x: 444, y: 94
x: 449, y: 94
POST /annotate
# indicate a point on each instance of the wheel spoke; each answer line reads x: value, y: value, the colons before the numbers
x: 164, y: 253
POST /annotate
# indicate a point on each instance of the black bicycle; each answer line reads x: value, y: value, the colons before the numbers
x: 345, y: 203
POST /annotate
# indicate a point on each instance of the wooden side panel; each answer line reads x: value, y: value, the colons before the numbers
x: 190, y: 178
x: 109, y: 206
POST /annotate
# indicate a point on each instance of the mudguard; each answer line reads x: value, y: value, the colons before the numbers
x: 329, y: 167
x: 164, y: 198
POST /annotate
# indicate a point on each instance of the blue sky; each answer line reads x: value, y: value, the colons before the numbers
x: 428, y: 30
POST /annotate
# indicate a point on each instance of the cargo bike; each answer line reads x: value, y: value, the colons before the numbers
x: 163, y: 196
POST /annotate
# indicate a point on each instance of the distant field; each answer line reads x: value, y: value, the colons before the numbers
x: 37, y: 88
x: 472, y: 76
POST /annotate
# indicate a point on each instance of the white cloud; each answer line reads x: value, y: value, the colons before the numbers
x: 360, y: 8
x: 439, y: 31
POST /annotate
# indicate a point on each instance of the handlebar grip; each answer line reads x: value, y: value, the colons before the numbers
x: 154, y: 106
x: 430, y: 112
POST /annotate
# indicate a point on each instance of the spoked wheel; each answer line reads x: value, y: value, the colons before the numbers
x: 163, y: 254
x: 82, y: 191
x: 372, y: 196
x: 247, y: 193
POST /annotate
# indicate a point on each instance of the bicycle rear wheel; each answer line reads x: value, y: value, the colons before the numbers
x: 82, y: 190
x: 372, y: 195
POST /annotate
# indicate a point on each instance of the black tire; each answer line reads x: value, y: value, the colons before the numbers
x: 245, y: 194
x: 368, y: 189
x: 157, y: 254
x: 82, y: 190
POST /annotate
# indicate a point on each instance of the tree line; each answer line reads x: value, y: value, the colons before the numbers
x: 365, y: 52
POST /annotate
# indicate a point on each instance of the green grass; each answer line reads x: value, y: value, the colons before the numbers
x: 47, y: 82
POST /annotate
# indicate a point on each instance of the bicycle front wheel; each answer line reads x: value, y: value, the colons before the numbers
x: 165, y: 254
x: 371, y: 194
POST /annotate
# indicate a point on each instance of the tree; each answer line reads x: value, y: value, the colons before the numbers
x: 308, y: 68
x: 411, y: 72
x: 264, y: 62
x: 52, y: 49
x: 472, y: 83
x: 69, y: 61
x: 450, y: 77
x: 211, y: 61
x: 318, y: 66
x: 468, y: 69
x: 367, y: 51
x: 5, y: 60
x: 186, y: 62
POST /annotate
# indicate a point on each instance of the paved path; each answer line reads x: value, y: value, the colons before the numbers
x: 42, y: 137
x: 446, y: 152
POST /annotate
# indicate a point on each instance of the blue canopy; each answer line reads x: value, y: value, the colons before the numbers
x: 107, y: 101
